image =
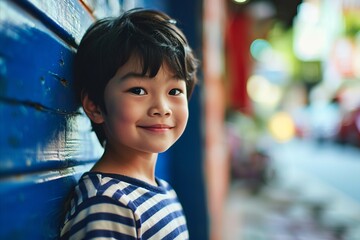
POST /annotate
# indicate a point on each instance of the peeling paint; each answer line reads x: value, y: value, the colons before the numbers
x: 62, y: 80
x: 37, y: 106
x: 61, y: 62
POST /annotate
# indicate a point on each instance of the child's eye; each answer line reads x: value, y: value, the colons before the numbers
x: 137, y: 91
x: 175, y: 91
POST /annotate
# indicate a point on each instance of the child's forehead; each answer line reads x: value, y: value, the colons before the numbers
x: 135, y: 65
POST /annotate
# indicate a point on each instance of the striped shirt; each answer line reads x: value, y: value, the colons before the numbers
x: 111, y: 206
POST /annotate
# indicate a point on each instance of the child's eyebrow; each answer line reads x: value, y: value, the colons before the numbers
x: 133, y: 75
x: 140, y: 75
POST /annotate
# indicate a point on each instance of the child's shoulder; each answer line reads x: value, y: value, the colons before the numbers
x: 96, y: 188
x: 96, y: 184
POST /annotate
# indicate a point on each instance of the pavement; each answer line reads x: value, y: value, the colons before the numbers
x: 312, y: 196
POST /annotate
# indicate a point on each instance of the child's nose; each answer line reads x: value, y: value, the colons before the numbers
x: 160, y: 107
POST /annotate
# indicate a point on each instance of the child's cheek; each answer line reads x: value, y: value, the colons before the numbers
x: 115, y: 110
x: 185, y: 115
x: 121, y: 110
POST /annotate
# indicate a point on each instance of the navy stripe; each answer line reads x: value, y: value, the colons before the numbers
x: 102, y: 216
x: 143, y: 198
x: 117, y: 194
x: 176, y: 232
x: 129, y: 189
x: 76, y: 199
x: 83, y: 191
x: 97, y: 200
x: 154, y: 209
x: 105, y: 186
x: 108, y: 234
x: 94, y: 179
x: 160, y: 224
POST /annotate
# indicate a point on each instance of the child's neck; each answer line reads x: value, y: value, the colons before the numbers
x: 134, y: 164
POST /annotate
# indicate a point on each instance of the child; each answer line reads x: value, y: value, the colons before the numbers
x: 134, y: 75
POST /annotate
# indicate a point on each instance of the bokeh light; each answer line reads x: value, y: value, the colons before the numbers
x: 262, y: 91
x: 281, y: 127
x: 257, y: 47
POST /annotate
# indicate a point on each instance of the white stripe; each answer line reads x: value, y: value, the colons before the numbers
x: 78, y: 194
x: 152, y: 201
x: 164, y: 183
x: 137, y: 193
x: 182, y: 236
x: 113, y: 187
x: 149, y: 223
x: 175, y: 223
x: 72, y: 205
x: 124, y: 200
x: 172, y: 193
x: 105, y: 225
x: 111, y: 190
x: 121, y: 185
x: 143, y: 207
x: 103, y: 180
x: 97, y: 208
x: 90, y: 188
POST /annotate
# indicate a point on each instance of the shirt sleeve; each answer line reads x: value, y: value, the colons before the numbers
x: 100, y: 217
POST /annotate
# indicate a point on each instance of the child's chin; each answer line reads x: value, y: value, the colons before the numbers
x: 162, y: 147
x: 162, y: 150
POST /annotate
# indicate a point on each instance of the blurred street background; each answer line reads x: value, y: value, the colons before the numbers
x: 311, y: 193
x: 289, y: 165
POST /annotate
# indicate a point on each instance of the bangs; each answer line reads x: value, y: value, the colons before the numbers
x: 154, y: 49
x: 152, y: 58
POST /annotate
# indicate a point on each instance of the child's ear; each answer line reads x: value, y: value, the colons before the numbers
x: 91, y: 109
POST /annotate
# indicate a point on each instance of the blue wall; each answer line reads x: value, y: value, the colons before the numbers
x: 187, y: 154
x: 46, y: 142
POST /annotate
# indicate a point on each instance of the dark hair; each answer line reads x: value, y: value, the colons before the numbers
x: 109, y: 43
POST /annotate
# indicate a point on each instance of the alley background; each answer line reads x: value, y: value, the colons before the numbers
x: 290, y: 83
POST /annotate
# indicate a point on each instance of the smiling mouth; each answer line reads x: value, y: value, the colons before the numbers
x: 157, y: 128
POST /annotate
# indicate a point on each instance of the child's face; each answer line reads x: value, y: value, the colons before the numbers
x: 143, y: 114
